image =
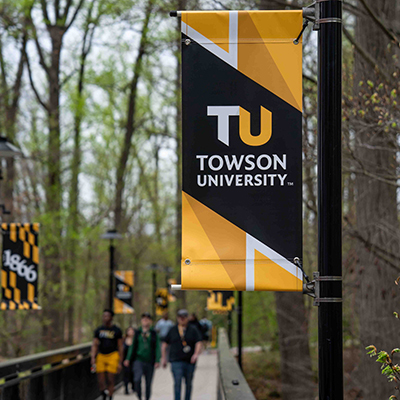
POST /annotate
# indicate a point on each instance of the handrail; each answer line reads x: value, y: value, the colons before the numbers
x: 15, y: 370
x: 232, y: 383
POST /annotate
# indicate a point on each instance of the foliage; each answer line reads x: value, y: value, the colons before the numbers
x: 388, y: 368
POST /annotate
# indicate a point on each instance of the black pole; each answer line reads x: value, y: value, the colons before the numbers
x: 153, y: 308
x: 111, y: 284
x: 230, y: 327
x: 240, y: 327
x: 167, y: 286
x: 330, y: 338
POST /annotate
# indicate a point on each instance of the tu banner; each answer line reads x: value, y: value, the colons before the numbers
x: 241, y: 150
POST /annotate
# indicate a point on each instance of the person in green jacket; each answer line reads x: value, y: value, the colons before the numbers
x: 144, y: 355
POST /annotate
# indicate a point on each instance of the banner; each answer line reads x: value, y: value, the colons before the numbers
x: 124, y: 282
x: 220, y: 301
x: 19, y: 274
x: 162, y: 295
x: 242, y: 150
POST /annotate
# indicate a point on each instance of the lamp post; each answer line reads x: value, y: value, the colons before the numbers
x: 168, y: 271
x: 154, y: 267
x: 7, y: 150
x: 111, y: 235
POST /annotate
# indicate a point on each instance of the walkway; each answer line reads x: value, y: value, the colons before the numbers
x: 204, y: 385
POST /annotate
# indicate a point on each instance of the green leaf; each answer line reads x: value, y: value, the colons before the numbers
x: 372, y: 350
x: 382, y: 357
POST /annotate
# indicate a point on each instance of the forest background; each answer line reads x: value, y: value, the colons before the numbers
x: 90, y: 91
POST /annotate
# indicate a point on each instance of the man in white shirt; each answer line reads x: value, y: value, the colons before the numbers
x: 164, y: 325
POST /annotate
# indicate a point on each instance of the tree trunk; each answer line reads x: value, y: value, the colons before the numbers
x: 52, y: 303
x: 296, y: 368
x: 130, y: 122
x: 376, y: 205
x: 74, y: 226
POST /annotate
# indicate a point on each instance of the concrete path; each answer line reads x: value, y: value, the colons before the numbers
x: 204, y: 385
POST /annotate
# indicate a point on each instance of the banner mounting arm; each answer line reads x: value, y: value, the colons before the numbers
x: 175, y: 13
x: 313, y: 289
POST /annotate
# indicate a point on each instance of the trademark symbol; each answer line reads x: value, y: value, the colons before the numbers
x: 290, y: 183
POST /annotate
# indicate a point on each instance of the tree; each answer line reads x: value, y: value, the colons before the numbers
x: 57, y: 20
x: 374, y: 148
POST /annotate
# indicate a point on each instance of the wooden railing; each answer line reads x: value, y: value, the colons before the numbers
x: 232, y: 384
x: 62, y: 374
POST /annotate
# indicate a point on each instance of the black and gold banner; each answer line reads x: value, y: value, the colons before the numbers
x: 242, y: 150
x: 220, y: 301
x: 19, y: 273
x: 162, y: 297
x: 124, y: 282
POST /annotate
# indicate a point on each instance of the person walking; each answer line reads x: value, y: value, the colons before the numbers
x: 184, y: 341
x: 193, y: 320
x: 128, y: 370
x: 107, y: 354
x: 145, y: 355
x: 164, y: 325
x: 207, y: 329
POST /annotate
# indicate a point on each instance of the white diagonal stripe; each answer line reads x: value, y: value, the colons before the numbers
x: 253, y: 244
x: 230, y: 57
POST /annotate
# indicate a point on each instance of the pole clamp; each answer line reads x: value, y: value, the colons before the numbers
x: 312, y: 289
x: 328, y: 20
x: 312, y: 13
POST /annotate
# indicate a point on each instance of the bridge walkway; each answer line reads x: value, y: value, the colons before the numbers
x: 204, y: 385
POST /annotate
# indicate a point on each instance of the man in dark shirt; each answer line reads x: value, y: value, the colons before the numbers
x: 145, y: 355
x: 107, y: 351
x: 185, y: 345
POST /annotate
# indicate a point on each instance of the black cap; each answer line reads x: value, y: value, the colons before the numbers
x: 147, y: 315
x: 183, y: 313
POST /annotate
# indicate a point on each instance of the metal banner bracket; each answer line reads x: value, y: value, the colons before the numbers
x: 312, y: 13
x: 312, y: 289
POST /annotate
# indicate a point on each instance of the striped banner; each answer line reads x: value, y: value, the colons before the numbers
x: 220, y: 301
x: 19, y: 274
x: 124, y: 282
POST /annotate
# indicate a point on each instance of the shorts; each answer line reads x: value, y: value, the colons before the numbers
x: 107, y: 362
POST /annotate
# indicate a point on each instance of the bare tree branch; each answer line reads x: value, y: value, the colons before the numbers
x: 66, y: 9
x: 57, y: 9
x: 42, y: 60
x: 379, y: 22
x: 377, y: 250
x: 20, y: 70
x: 364, y: 53
x: 42, y: 103
x: 45, y: 13
x: 78, y: 7
x: 310, y: 79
